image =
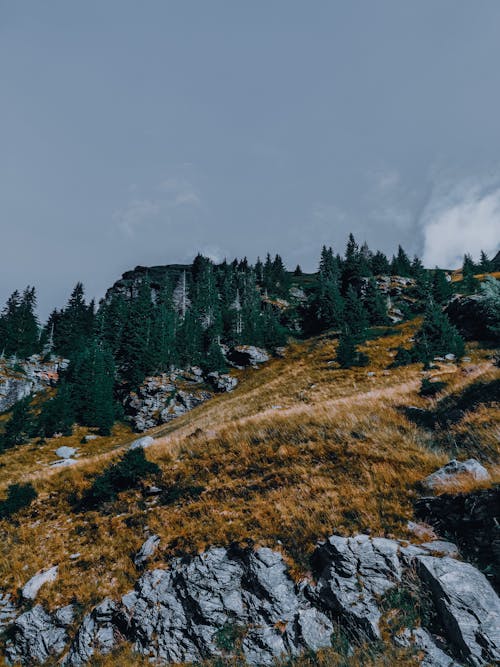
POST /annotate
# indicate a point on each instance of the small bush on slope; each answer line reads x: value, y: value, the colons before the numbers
x: 121, y: 476
x: 19, y: 496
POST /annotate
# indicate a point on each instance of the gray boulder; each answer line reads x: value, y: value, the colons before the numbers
x: 247, y: 355
x: 8, y: 610
x: 142, y: 443
x: 468, y: 607
x: 221, y: 382
x: 97, y: 635
x: 455, y: 468
x: 147, y: 550
x: 31, y: 587
x: 36, y: 636
x: 342, y: 564
x: 65, y: 452
x: 433, y: 656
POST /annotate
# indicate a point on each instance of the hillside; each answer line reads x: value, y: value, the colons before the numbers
x: 299, y: 451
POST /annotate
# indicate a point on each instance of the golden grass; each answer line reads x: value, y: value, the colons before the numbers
x: 299, y: 451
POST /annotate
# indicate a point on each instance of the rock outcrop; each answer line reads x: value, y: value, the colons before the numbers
x: 243, y: 602
x: 470, y: 520
x: 19, y: 379
x: 454, y: 469
x: 247, y: 355
x: 469, y: 315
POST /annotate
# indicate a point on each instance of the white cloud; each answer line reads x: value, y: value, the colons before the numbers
x: 134, y: 215
x: 180, y: 192
x: 461, y: 219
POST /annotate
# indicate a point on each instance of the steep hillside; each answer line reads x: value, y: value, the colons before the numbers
x: 299, y: 451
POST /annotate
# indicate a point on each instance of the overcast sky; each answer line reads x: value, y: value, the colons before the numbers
x: 143, y: 132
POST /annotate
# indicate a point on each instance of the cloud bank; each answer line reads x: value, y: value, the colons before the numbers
x: 462, y: 219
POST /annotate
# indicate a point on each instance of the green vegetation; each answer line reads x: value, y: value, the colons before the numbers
x: 18, y: 497
x: 126, y: 474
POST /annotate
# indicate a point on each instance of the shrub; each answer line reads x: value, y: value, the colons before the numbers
x: 428, y: 388
x: 19, y: 496
x: 121, y: 476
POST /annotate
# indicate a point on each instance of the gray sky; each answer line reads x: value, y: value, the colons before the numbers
x: 143, y: 132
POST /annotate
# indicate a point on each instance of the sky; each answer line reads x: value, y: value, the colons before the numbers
x: 143, y: 132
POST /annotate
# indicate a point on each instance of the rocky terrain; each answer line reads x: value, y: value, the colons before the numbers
x: 230, y: 600
x: 19, y: 379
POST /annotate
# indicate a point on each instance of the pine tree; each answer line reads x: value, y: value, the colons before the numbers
x: 74, y: 326
x: 355, y: 316
x: 441, y: 286
x: 485, y: 264
x: 375, y: 305
x: 273, y: 335
x: 437, y: 336
x: 57, y: 414
x: 401, y: 265
x: 351, y: 273
x: 189, y: 341
x: 380, y: 264
x: 136, y: 354
x: 327, y: 306
x: 298, y: 271
x: 20, y: 427
x: 346, y: 350
x: 469, y: 282
x: 92, y: 375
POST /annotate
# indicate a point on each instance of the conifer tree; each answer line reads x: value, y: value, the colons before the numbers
x: 441, y: 286
x: 346, y: 350
x: 485, y: 264
x: 298, y: 271
x: 375, y: 305
x: 272, y: 334
x: 355, y: 316
x: 136, y: 353
x: 468, y: 270
x: 380, y: 264
x: 57, y: 414
x: 92, y: 375
x: 351, y: 271
x: 437, y: 336
x: 20, y: 427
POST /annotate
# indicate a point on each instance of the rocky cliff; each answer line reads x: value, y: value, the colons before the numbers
x: 232, y: 601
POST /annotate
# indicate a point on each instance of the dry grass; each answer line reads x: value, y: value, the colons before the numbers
x: 299, y: 451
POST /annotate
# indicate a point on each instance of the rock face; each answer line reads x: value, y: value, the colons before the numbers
x: 228, y: 602
x: 454, y: 468
x: 37, y: 636
x: 31, y: 588
x: 20, y: 379
x: 164, y: 397
x: 221, y: 382
x: 471, y: 520
x: 247, y: 355
x: 467, y: 605
x: 147, y: 550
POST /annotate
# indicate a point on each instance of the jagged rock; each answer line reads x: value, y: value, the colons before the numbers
x: 31, y: 588
x: 35, y: 636
x: 222, y: 381
x: 147, y: 550
x: 175, y: 615
x: 421, y: 639
x: 13, y: 390
x: 341, y: 563
x: 142, y: 443
x: 8, y: 610
x: 96, y: 635
x: 454, y: 468
x: 178, y: 615
x: 441, y: 548
x: 159, y: 399
x: 19, y: 379
x: 468, y: 607
x: 247, y: 355
x: 65, y: 452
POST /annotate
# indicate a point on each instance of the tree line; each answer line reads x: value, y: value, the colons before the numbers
x: 189, y: 321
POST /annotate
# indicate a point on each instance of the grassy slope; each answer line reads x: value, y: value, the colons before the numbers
x: 299, y: 451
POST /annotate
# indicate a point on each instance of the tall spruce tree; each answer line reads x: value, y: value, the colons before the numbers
x: 136, y: 354
x: 20, y: 427
x: 441, y: 286
x: 355, y: 316
x: 437, y: 336
x: 375, y: 305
